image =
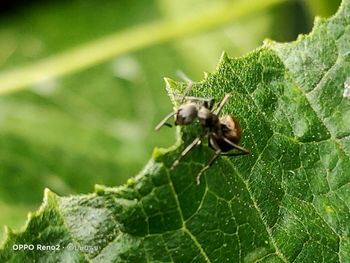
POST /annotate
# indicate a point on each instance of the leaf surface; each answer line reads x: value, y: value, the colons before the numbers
x: 288, y: 201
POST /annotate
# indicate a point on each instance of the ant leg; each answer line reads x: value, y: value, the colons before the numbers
x: 208, y: 101
x: 163, y: 122
x: 222, y: 104
x: 195, y: 142
x: 233, y: 154
x: 212, y: 160
x: 243, y: 150
x: 187, y: 90
x: 183, y: 76
x: 210, y: 163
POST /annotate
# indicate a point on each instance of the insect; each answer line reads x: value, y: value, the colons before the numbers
x: 223, y: 133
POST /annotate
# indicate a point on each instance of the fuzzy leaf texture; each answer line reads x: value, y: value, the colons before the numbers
x: 288, y: 201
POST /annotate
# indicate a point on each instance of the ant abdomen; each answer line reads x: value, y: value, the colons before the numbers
x: 231, y: 132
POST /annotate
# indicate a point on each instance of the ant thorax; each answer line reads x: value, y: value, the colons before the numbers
x: 208, y: 119
x: 186, y: 114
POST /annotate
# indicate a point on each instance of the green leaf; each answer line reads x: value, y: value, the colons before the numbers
x: 288, y: 201
x: 99, y: 117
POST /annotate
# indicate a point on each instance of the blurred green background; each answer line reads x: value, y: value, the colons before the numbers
x: 95, y: 125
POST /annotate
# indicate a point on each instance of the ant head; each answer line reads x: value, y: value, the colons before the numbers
x: 186, y: 114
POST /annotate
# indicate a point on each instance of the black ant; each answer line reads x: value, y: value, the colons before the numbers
x: 224, y: 133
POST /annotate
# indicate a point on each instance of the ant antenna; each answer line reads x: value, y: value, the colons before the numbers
x: 182, y: 75
x: 189, y: 82
x: 164, y: 121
